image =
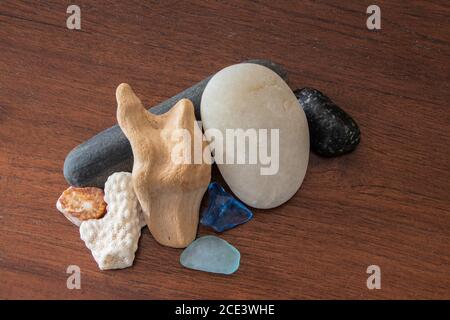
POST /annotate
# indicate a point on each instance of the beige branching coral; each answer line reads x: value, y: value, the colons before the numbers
x: 169, y: 193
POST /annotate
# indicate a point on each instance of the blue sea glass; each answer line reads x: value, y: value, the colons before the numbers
x: 211, y: 254
x: 224, y: 211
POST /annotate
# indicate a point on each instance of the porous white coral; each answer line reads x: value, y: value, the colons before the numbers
x: 113, y: 240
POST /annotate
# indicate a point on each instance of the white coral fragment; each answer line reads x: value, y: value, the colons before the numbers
x: 113, y: 240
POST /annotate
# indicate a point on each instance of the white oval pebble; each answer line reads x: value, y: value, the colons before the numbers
x: 249, y: 96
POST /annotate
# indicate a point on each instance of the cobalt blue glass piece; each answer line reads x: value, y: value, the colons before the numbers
x: 224, y: 211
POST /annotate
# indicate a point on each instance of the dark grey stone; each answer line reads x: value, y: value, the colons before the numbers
x: 93, y: 161
x: 332, y: 131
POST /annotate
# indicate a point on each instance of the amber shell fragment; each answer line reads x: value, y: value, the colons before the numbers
x: 82, y: 203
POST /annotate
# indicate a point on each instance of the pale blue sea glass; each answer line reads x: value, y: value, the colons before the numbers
x: 211, y: 254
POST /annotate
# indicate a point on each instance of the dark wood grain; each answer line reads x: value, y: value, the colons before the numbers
x: 387, y: 203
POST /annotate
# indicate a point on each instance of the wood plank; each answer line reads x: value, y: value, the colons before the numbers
x: 386, y: 204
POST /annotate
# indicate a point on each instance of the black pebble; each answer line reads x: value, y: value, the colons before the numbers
x: 332, y: 131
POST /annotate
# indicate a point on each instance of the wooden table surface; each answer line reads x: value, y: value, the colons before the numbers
x: 386, y: 204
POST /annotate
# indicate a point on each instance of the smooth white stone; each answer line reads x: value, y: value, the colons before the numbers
x: 252, y: 96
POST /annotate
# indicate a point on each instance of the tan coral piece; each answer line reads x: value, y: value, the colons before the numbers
x: 169, y: 193
x: 80, y: 204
